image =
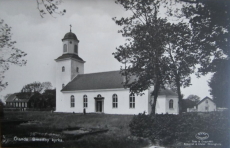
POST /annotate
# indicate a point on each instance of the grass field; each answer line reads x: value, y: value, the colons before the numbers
x: 118, y: 134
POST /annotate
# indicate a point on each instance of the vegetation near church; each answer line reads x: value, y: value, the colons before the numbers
x: 42, y: 94
x: 160, y: 53
x: 210, y: 22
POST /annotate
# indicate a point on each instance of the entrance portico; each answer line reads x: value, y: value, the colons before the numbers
x: 99, y: 104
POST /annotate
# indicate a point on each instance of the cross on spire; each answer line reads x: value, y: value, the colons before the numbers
x: 70, y: 27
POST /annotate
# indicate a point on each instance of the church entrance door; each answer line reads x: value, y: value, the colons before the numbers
x: 99, y: 106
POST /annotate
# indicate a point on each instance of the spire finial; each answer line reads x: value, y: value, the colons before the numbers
x: 70, y: 27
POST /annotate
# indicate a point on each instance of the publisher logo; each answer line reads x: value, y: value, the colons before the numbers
x: 202, y: 136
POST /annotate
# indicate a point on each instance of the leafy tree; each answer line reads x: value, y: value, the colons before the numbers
x: 186, y: 103
x: 46, y: 85
x: 49, y: 96
x: 50, y: 7
x: 1, y: 109
x: 9, y: 53
x: 220, y: 84
x: 158, y: 53
x: 210, y: 22
x: 44, y: 100
x: 181, y: 56
x: 36, y: 100
x: 143, y: 54
x: 36, y: 87
x: 32, y: 88
x: 12, y: 55
x: 189, y: 102
x: 193, y: 98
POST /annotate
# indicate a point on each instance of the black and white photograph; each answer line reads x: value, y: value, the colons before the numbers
x: 115, y: 73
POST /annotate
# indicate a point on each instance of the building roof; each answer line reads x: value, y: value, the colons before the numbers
x: 70, y: 35
x: 14, y: 98
x: 167, y: 92
x: 102, y: 80
x: 70, y: 55
x: 204, y: 100
x: 92, y: 81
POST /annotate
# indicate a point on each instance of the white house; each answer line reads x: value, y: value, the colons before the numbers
x: 205, y: 105
x: 101, y: 92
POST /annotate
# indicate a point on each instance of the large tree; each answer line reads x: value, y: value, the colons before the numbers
x: 181, y: 56
x: 40, y: 94
x: 220, y: 84
x: 158, y: 53
x: 143, y: 54
x: 210, y: 23
x: 49, y: 96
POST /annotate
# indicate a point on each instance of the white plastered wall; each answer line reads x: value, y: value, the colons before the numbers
x: 74, y: 65
x: 141, y: 102
x: 62, y: 78
x: 175, y: 109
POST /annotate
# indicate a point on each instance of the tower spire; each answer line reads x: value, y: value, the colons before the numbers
x: 70, y: 27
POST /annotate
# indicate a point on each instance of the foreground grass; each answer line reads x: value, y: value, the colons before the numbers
x: 117, y: 136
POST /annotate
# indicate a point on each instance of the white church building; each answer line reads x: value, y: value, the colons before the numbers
x: 100, y: 92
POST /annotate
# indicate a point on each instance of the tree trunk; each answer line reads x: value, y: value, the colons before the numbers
x: 155, y: 95
x: 179, y: 93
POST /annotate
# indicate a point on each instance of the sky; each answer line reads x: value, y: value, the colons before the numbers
x: 40, y: 38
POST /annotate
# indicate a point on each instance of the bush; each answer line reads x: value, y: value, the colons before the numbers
x: 172, y: 129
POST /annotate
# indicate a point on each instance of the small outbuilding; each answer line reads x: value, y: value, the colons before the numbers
x: 205, y: 105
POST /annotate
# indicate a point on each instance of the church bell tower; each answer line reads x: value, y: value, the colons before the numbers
x: 68, y: 66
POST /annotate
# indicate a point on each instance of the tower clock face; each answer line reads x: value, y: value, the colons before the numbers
x: 70, y: 42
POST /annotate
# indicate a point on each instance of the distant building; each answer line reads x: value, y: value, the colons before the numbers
x: 14, y: 101
x: 205, y: 105
x: 101, y: 92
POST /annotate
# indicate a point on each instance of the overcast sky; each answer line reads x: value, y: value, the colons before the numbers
x: 40, y: 38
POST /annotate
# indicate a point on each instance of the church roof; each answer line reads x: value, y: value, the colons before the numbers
x: 70, y: 35
x: 167, y: 92
x: 70, y: 55
x: 92, y: 81
x: 102, y: 80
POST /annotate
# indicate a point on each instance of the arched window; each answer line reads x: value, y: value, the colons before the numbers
x: 72, y: 101
x: 115, y: 100
x: 132, y: 101
x: 99, y: 96
x: 64, y: 48
x: 76, y: 49
x: 63, y: 85
x: 85, y: 100
x: 77, y: 69
x: 206, y: 101
x: 171, y: 104
x: 63, y: 68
